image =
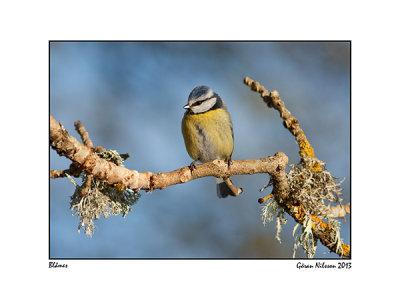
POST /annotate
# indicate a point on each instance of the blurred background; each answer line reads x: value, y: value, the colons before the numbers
x: 129, y: 96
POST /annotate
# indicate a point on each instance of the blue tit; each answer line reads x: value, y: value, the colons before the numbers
x: 207, y: 131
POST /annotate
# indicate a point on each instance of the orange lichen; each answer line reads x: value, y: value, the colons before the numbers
x: 300, y: 213
x: 119, y: 186
x: 345, y: 250
x: 307, y: 150
x: 316, y: 220
x: 321, y: 224
x: 316, y: 167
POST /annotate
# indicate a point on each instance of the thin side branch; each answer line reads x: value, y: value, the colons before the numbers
x: 237, y: 191
x: 272, y: 99
x: 83, y: 133
x: 88, y: 142
x: 72, y: 171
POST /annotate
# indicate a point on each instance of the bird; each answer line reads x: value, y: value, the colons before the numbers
x: 207, y: 131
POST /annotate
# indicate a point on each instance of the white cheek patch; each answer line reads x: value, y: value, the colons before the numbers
x: 205, y: 106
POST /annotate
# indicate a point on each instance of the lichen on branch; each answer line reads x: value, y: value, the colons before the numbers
x: 311, y: 187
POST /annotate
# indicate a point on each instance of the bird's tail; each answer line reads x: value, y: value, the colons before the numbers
x: 223, y: 189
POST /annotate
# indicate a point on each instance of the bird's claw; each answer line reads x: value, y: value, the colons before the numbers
x: 192, y: 166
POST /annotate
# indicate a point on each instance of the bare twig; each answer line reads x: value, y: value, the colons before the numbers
x: 58, y: 174
x: 83, y: 133
x: 272, y: 99
x: 263, y: 199
x: 233, y: 188
x: 72, y: 171
x: 88, y: 142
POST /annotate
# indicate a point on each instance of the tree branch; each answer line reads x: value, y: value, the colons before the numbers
x: 89, y: 162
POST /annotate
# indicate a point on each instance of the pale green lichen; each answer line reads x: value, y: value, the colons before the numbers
x: 280, y: 220
x: 315, y: 189
x: 101, y: 199
x: 306, y: 239
x: 269, y: 211
x: 113, y: 156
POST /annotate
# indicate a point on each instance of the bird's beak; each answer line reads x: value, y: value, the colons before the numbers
x: 186, y: 106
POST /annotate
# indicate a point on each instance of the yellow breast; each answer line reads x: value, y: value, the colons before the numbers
x: 208, y: 135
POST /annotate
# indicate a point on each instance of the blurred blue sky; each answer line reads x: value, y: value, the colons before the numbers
x: 129, y: 96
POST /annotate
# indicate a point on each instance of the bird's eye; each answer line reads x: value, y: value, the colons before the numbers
x: 198, y: 102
